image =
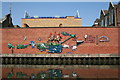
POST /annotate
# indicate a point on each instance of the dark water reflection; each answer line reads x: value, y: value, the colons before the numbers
x: 66, y: 71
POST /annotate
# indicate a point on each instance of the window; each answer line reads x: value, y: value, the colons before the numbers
x: 112, y: 16
x: 106, y: 21
x: 102, y: 23
x: 109, y: 18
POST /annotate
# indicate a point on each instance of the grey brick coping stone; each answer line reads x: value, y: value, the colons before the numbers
x: 60, y: 55
x: 64, y: 66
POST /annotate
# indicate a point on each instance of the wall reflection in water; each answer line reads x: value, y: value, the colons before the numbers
x: 60, y: 71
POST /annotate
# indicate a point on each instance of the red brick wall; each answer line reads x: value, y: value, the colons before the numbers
x: 16, y: 36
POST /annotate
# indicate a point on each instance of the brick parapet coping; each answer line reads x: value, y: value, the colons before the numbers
x: 64, y: 66
x: 60, y: 55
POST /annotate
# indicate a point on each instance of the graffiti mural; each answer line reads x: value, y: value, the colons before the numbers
x: 104, y: 39
x: 56, y: 44
x: 10, y: 46
x: 32, y: 43
x: 25, y: 38
x: 42, y: 46
x: 54, y: 38
x: 21, y: 46
x: 89, y: 39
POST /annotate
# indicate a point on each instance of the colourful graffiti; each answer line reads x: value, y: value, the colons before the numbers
x: 54, y: 38
x: 104, y: 39
x: 89, y: 39
x: 55, y: 44
x: 21, y: 46
x: 10, y: 46
x: 32, y: 43
x: 25, y: 38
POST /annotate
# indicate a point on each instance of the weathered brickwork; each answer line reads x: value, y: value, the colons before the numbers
x: 69, y: 21
x: 16, y: 36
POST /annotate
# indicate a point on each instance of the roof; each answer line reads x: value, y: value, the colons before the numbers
x: 115, y: 5
x: 105, y: 11
x: 102, y: 12
x: 97, y: 20
x: 56, y: 17
x: 3, y: 19
x: 111, y: 4
x: 119, y: 2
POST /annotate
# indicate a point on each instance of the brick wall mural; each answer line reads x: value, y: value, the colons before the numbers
x: 60, y: 40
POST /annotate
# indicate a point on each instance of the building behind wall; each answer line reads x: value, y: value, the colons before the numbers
x: 68, y: 21
x: 6, y: 21
x: 110, y: 17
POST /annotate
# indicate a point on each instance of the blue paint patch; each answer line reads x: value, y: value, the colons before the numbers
x: 55, y: 49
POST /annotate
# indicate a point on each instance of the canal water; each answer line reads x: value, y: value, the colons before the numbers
x: 58, y: 71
